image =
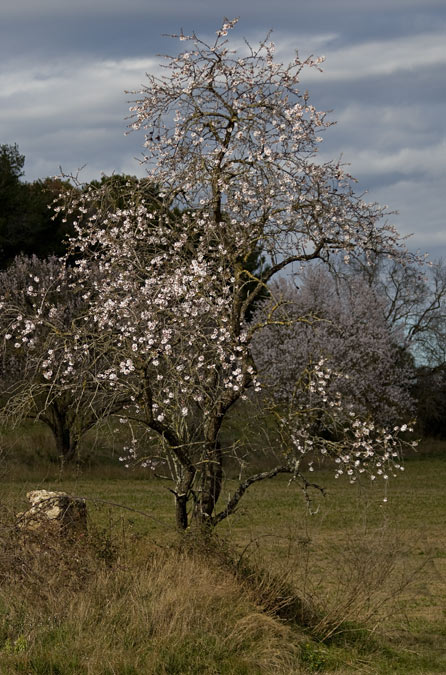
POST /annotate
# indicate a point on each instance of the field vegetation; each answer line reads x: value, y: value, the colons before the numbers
x: 357, y: 586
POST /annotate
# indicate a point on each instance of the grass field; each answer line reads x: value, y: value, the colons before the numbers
x: 133, y: 599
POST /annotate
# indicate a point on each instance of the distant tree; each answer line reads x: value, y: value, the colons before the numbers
x: 232, y: 142
x: 43, y: 233
x: 27, y: 223
x: 11, y: 193
x: 341, y: 326
x: 415, y: 302
x: 430, y: 393
x: 116, y: 190
x: 41, y: 293
x: 11, y: 166
x: 415, y: 305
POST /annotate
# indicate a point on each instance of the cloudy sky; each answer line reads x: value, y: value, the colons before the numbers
x: 65, y: 66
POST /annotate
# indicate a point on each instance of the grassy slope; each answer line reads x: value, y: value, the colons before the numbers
x: 373, y: 571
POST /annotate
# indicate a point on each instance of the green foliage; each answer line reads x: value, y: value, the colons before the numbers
x: 26, y: 219
x: 43, y: 233
x: 314, y: 656
x: 17, y: 646
x: 117, y: 189
x: 11, y: 193
x: 28, y: 223
x: 11, y: 166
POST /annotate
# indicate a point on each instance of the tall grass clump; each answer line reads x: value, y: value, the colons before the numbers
x: 69, y: 608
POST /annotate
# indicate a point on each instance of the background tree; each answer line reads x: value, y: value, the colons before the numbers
x: 415, y: 297
x: 42, y: 233
x: 415, y: 307
x: 341, y: 325
x: 232, y: 143
x: 11, y: 170
x: 41, y: 290
x: 11, y: 167
x: 27, y: 223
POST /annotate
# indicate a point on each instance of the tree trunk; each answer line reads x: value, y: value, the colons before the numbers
x: 66, y: 445
x: 211, y: 485
x: 66, y: 442
x: 211, y: 481
x: 181, y: 511
x: 182, y: 496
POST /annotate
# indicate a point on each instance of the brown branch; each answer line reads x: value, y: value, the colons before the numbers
x: 238, y: 494
x: 277, y: 268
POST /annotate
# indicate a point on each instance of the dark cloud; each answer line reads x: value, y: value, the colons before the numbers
x: 111, y: 26
x: 66, y: 65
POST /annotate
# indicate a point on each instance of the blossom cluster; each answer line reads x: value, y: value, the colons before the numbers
x: 315, y: 424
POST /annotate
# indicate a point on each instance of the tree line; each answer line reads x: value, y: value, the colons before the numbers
x: 27, y: 224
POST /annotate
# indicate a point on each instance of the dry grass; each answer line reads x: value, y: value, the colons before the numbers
x: 70, y: 608
x: 358, y: 588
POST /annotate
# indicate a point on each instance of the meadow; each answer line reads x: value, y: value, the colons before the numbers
x: 357, y: 586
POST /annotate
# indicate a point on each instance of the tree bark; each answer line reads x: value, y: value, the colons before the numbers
x: 181, y: 511
x: 66, y: 442
x: 211, y: 486
x: 182, y: 496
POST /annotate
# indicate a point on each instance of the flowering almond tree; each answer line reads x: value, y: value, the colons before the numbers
x: 43, y: 366
x: 232, y: 142
x: 338, y: 329
x: 344, y: 322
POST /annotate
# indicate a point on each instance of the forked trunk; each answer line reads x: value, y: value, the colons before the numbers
x: 205, y: 499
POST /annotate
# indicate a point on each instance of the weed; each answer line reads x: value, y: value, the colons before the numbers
x: 314, y: 656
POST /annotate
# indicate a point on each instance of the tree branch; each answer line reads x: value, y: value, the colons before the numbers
x: 238, y: 494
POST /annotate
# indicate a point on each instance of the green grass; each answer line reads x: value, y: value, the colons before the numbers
x: 373, y: 573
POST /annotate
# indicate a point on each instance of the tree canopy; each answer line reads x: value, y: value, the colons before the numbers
x: 27, y: 222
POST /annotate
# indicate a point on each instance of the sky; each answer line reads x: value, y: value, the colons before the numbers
x: 65, y: 68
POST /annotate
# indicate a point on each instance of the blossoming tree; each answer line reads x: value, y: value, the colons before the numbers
x: 231, y: 139
x: 340, y: 325
x: 43, y: 366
